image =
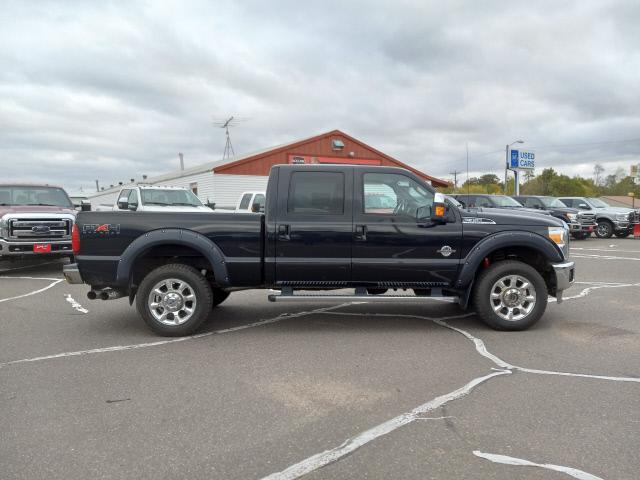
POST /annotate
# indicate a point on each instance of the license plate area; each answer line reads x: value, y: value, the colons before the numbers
x: 41, y: 248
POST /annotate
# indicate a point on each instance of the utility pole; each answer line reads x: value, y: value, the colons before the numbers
x: 181, y: 161
x: 455, y: 179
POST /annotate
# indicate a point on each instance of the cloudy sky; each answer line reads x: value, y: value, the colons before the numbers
x: 114, y: 89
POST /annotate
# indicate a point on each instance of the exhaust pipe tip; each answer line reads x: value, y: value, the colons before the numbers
x: 92, y: 295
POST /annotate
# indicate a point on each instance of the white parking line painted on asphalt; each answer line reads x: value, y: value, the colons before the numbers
x: 54, y: 282
x: 588, y: 290
x: 329, y: 456
x: 322, y: 459
x: 505, y: 460
x: 75, y: 304
x: 603, y: 257
x: 119, y: 348
x: 604, y: 250
x: 482, y: 349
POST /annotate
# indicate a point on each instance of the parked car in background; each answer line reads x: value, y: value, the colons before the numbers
x: 581, y: 224
x: 152, y: 198
x: 251, y: 202
x: 477, y: 200
x: 610, y: 220
x: 35, y: 220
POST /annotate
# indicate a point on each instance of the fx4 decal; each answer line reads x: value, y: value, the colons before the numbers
x: 104, y: 229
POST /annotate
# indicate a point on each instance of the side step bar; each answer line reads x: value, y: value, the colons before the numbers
x: 288, y: 296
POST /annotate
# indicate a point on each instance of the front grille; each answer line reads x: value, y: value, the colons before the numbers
x: 587, y: 218
x: 39, y: 228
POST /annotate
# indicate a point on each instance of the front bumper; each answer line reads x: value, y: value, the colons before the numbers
x: 565, y: 275
x: 20, y: 249
x: 72, y: 274
x: 577, y: 227
x: 621, y: 225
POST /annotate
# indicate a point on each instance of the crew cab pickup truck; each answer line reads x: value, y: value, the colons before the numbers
x: 35, y: 220
x: 319, y: 235
x: 610, y: 220
x: 581, y: 224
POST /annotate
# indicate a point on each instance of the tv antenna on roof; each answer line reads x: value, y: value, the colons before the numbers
x: 232, y: 121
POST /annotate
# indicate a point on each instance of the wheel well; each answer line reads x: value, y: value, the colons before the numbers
x: 527, y: 255
x: 164, y: 254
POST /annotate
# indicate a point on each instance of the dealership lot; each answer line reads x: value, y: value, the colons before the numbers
x: 418, y: 390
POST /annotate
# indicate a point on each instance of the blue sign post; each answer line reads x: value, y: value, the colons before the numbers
x: 521, y: 160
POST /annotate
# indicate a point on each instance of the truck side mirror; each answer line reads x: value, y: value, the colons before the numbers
x: 437, y: 212
x: 123, y: 204
x: 255, y: 208
x: 85, y: 206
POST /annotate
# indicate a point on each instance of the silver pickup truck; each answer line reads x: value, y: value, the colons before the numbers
x: 610, y: 220
x: 35, y: 220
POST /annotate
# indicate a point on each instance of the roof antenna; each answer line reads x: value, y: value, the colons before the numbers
x: 468, y: 183
x: 228, y: 147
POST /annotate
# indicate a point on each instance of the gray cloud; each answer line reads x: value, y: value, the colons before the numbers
x: 112, y: 90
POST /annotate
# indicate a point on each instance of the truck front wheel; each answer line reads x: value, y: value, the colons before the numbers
x: 174, y: 300
x: 604, y: 229
x: 510, y: 295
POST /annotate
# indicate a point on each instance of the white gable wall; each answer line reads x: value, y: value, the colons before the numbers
x: 228, y: 188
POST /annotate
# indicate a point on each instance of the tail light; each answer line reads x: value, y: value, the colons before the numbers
x: 75, y: 239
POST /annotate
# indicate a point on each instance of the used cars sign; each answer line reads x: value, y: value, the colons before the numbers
x: 521, y: 160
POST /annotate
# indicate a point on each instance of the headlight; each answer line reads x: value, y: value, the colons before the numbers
x: 572, y: 216
x: 560, y: 236
x: 622, y: 216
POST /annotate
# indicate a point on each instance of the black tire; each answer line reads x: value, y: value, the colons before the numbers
x: 219, y: 296
x: 604, y: 229
x: 484, y: 304
x: 622, y: 234
x: 579, y: 236
x: 199, y: 287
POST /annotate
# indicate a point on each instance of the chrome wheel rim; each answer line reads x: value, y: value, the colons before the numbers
x: 602, y: 230
x: 513, y: 297
x: 172, y: 301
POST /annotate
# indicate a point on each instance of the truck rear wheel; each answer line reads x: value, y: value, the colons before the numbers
x: 510, y: 295
x: 174, y: 300
x: 623, y: 233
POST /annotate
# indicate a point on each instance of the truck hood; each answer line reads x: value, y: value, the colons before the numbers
x: 516, y: 216
x: 613, y: 210
x: 18, y: 209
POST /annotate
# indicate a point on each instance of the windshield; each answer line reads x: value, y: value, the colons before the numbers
x: 501, y: 201
x: 453, y: 201
x: 169, y: 197
x: 596, y: 202
x: 42, y: 196
x: 552, y: 202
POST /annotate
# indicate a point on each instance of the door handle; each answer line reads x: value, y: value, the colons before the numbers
x: 283, y: 232
x: 361, y: 233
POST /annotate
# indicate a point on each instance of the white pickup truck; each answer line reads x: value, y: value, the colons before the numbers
x: 154, y: 198
x: 252, y: 202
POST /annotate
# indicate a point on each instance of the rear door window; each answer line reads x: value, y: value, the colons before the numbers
x: 316, y: 193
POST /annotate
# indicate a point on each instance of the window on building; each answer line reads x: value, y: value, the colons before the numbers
x: 316, y: 193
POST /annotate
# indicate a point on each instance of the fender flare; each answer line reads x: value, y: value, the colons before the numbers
x: 175, y: 236
x: 499, y: 240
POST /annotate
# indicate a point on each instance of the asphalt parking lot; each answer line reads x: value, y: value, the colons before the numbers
x: 414, y: 391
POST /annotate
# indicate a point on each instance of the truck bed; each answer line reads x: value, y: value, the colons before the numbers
x: 108, y: 235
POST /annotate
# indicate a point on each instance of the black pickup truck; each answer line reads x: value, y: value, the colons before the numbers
x: 326, y: 228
